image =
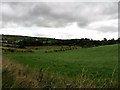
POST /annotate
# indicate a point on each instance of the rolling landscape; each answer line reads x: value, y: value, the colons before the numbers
x: 48, y: 44
x: 69, y: 66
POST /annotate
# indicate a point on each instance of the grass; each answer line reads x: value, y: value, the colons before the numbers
x: 18, y: 76
x: 98, y: 63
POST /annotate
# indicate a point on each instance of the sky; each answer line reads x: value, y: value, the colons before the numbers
x: 60, y: 20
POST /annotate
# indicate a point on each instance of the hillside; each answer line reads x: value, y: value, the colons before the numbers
x: 24, y: 41
x: 101, y: 59
x: 76, y: 66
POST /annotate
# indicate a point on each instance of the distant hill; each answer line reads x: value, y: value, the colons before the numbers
x: 23, y: 41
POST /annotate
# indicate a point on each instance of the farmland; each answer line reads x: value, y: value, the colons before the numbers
x: 98, y: 62
x: 32, y: 62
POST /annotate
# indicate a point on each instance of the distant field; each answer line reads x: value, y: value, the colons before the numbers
x: 99, y: 61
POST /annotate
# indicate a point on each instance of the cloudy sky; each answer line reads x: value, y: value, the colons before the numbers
x: 61, y: 20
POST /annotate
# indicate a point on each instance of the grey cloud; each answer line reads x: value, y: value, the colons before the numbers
x: 45, y: 14
x: 39, y: 35
x: 105, y: 29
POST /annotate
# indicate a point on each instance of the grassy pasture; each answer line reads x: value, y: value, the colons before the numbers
x: 15, y: 75
x: 99, y: 61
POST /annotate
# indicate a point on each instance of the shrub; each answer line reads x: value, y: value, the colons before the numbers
x: 46, y: 51
x: 11, y: 50
x: 21, y: 46
x: 29, y: 50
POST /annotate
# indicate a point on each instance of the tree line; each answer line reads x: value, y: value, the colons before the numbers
x: 84, y: 42
x: 35, y: 41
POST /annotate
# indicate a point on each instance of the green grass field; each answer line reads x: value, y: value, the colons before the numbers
x: 99, y: 61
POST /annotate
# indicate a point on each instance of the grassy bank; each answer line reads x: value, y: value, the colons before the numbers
x: 18, y: 76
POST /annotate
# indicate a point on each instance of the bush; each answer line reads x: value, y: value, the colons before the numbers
x: 11, y: 50
x: 46, y: 51
x: 29, y: 50
x: 21, y: 46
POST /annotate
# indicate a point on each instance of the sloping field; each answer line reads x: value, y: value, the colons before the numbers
x: 99, y: 61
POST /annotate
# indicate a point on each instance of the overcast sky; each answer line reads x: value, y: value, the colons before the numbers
x: 63, y: 20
